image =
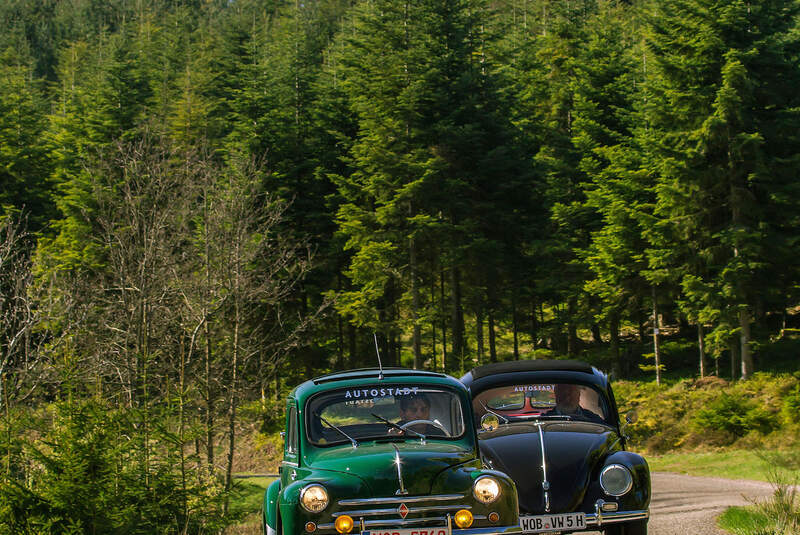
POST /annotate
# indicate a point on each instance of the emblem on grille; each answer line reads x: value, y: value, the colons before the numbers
x: 403, y: 510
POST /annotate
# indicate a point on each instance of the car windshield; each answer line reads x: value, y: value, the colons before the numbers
x: 384, y: 412
x: 551, y: 400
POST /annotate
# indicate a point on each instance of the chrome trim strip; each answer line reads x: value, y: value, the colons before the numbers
x: 402, y: 490
x: 290, y: 463
x: 612, y: 518
x: 411, y: 510
x: 545, y: 482
x: 398, y: 501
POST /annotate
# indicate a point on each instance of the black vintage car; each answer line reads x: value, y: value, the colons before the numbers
x: 553, y: 426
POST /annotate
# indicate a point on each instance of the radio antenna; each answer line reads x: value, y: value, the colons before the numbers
x: 378, y: 351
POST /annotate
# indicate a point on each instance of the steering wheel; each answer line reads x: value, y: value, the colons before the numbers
x: 427, y: 422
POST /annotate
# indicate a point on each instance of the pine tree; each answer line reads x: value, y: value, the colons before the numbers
x: 724, y: 121
x: 24, y: 169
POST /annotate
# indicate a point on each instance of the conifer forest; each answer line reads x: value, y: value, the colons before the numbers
x: 205, y: 202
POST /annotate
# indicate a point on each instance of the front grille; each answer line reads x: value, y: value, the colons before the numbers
x: 432, y: 510
x: 397, y: 500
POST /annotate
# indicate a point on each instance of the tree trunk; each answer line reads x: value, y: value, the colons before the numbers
x: 492, y: 340
x: 209, y: 395
x: 433, y: 323
x: 417, y: 335
x: 701, y: 344
x: 353, y: 347
x: 656, y: 346
x: 735, y: 347
x: 613, y: 327
x: 234, y: 383
x: 457, y: 319
x: 442, y: 308
x: 597, y: 338
x: 534, y: 327
x: 515, y: 327
x: 479, y: 332
x: 640, y: 322
x: 572, y: 329
x: 744, y: 338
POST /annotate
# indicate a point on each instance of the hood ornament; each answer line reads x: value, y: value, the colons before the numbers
x: 545, y: 482
x: 402, y: 490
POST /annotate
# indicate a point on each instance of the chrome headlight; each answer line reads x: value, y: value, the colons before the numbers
x: 616, y: 480
x: 314, y: 498
x: 486, y: 489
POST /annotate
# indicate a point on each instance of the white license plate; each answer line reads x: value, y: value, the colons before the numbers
x: 407, y: 531
x: 550, y: 523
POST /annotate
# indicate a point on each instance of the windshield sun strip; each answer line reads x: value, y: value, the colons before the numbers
x: 443, y: 389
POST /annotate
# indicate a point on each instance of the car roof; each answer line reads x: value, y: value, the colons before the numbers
x: 363, y: 376
x: 541, y: 370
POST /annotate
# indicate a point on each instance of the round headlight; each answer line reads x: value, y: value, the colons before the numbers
x: 486, y: 489
x: 314, y: 498
x: 616, y: 480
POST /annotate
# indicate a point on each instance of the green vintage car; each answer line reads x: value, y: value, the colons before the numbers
x: 385, y: 452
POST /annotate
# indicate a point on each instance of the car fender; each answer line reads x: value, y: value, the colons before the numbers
x: 464, y: 476
x: 270, y: 506
x: 338, y: 484
x: 640, y: 497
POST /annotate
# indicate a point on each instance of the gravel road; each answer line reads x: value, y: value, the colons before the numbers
x: 684, y: 504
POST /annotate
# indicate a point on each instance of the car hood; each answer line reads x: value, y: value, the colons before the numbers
x: 573, y: 453
x: 375, y: 463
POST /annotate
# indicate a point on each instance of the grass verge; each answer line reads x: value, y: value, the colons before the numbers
x: 745, y: 521
x: 732, y: 464
x: 246, y: 500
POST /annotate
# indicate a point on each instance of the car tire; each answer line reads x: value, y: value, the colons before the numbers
x: 638, y: 527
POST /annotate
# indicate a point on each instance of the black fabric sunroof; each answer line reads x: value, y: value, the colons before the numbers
x: 530, y: 365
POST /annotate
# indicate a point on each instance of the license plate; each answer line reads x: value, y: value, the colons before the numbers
x: 407, y: 531
x: 552, y: 523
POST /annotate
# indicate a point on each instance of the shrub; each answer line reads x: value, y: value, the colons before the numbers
x: 790, y: 411
x: 95, y: 470
x: 733, y: 415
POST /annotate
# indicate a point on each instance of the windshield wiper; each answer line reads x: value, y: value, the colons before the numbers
x: 401, y: 429
x: 326, y: 422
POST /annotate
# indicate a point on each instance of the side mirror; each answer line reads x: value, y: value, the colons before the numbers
x: 490, y: 422
x: 631, y: 417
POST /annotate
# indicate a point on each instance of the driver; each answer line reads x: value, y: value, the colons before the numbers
x: 414, y: 407
x: 568, y: 404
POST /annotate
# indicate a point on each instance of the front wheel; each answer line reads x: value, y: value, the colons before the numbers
x: 637, y: 527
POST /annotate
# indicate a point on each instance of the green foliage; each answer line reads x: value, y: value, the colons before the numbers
x: 708, y: 412
x: 89, y: 468
x: 743, y: 521
x: 790, y: 411
x: 732, y: 415
x: 778, y: 515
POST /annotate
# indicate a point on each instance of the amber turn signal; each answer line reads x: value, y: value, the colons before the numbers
x: 344, y: 524
x: 311, y: 527
x: 493, y: 517
x: 463, y: 519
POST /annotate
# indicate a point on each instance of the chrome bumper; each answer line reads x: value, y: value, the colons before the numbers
x: 601, y: 519
x: 491, y: 530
